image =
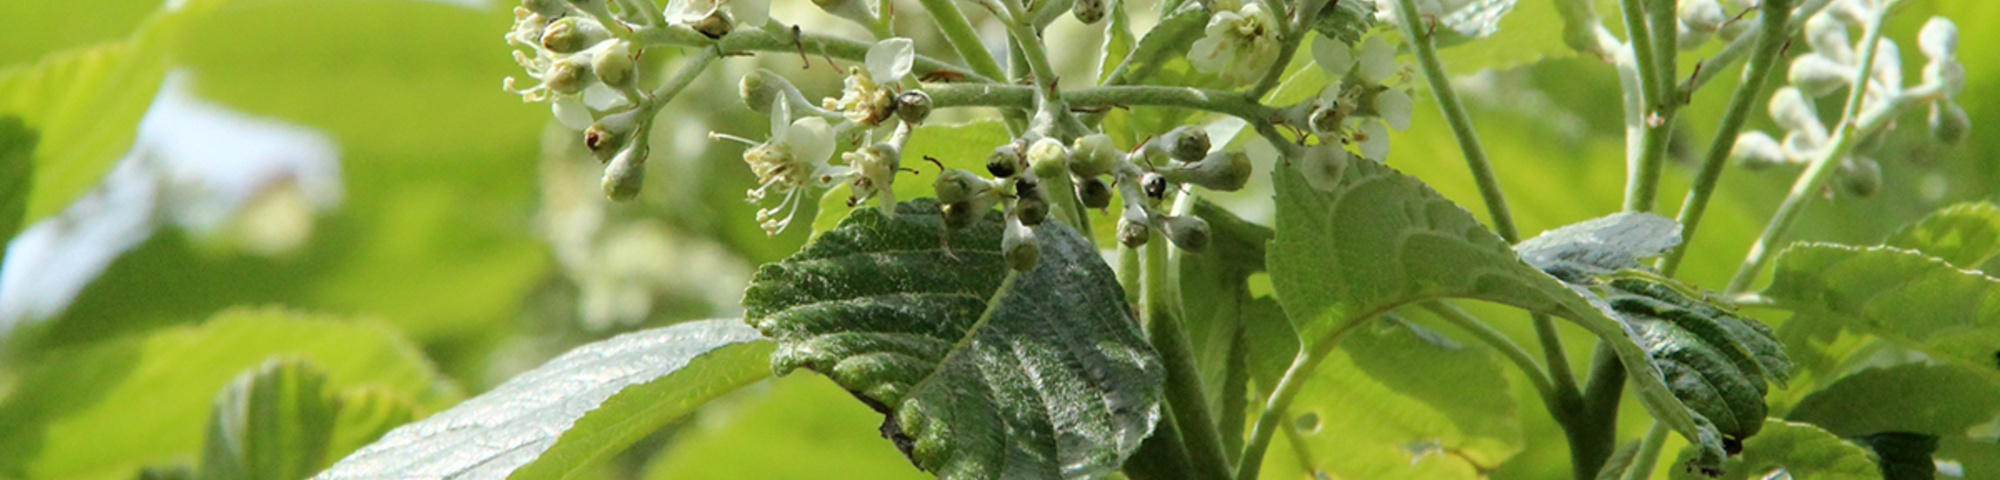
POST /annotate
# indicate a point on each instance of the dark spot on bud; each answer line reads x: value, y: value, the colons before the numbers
x: 1154, y: 185
x: 1002, y: 166
x: 1094, y: 193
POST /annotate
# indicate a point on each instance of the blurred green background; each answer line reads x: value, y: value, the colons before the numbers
x: 345, y: 182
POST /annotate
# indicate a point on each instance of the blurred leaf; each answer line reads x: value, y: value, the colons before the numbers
x: 1964, y: 235
x: 1802, y: 450
x: 1473, y: 19
x: 1600, y: 246
x: 17, y: 169
x: 1533, y: 32
x: 365, y: 414
x: 1919, y: 398
x: 1379, y: 240
x: 107, y: 409
x: 573, y: 411
x: 1345, y: 21
x: 1904, y: 456
x: 963, y: 146
x: 1418, y: 421
x: 1620, y: 462
x: 1905, y: 297
x: 271, y: 423
x: 86, y: 103
x: 1977, y: 458
x: 35, y: 29
x: 1215, y: 296
x: 808, y: 420
x: 984, y: 372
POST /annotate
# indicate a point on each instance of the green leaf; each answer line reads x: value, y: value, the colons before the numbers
x: 1620, y: 461
x: 1900, y: 295
x: 962, y: 146
x: 1600, y: 246
x: 1802, y: 450
x: 803, y: 417
x: 1532, y: 33
x: 86, y: 103
x: 982, y: 373
x: 1379, y: 240
x: 1714, y: 361
x: 365, y: 414
x: 17, y: 169
x: 1392, y: 402
x: 1118, y: 40
x: 1922, y: 398
x: 1345, y: 21
x: 1965, y: 235
x: 573, y: 411
x: 110, y: 408
x: 1903, y: 455
x: 271, y: 423
x: 1215, y: 294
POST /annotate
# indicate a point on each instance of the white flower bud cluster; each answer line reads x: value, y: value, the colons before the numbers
x: 586, y: 70
x: 1832, y: 67
x: 1369, y: 97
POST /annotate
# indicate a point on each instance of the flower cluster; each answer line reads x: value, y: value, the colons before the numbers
x: 1240, y: 43
x: 1358, y: 108
x: 1833, y: 66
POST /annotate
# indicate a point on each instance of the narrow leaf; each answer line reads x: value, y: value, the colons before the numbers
x: 272, y: 423
x: 1965, y: 235
x: 574, y: 410
x: 1900, y: 295
x: 982, y: 373
x: 1803, y: 451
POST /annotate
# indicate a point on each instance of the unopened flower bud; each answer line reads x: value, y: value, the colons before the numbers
x: 1948, y: 121
x: 1860, y: 176
x: 1703, y: 17
x: 608, y: 135
x: 1004, y: 162
x: 1093, y: 155
x: 715, y: 25
x: 613, y: 64
x: 1819, y: 76
x: 1756, y: 150
x: 1088, y: 11
x: 625, y: 174
x: 1829, y: 37
x: 568, y: 75
x: 1187, y: 232
x: 571, y: 34
x: 1792, y: 111
x: 1219, y: 171
x: 1017, y: 245
x: 1189, y: 143
x: 1154, y: 185
x: 1938, y: 39
x: 1048, y: 157
x: 954, y: 186
x: 761, y: 88
x: 1132, y: 230
x: 1947, y: 74
x: 1094, y: 193
x: 960, y: 214
x: 1031, y: 205
x: 913, y: 106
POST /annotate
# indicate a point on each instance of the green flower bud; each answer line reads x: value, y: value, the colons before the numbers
x: 568, y: 75
x: 608, y: 135
x: 1189, y: 143
x: 715, y: 25
x: 565, y: 35
x: 1094, y: 193
x: 1031, y: 204
x: 913, y: 106
x: 1048, y: 157
x: 958, y: 215
x: 1221, y: 171
x: 1948, y: 121
x: 625, y: 174
x: 1756, y: 150
x: 1132, y: 230
x: 1093, y: 155
x: 1017, y: 244
x: 613, y: 64
x: 1187, y: 232
x: 1088, y: 11
x: 1860, y: 177
x: 1818, y: 76
x: 954, y: 186
x: 759, y: 89
x: 1004, y: 162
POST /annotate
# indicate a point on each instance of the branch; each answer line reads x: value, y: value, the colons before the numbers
x: 776, y: 39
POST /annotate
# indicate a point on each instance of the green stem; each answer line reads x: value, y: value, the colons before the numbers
x: 998, y: 95
x: 1461, y: 122
x: 1290, y: 33
x: 1506, y: 346
x: 1581, y: 30
x: 1756, y: 76
x: 1739, y: 47
x: 1653, y: 50
x: 1593, y: 431
x: 1648, y: 453
x: 963, y: 39
x: 781, y: 41
x: 1273, y: 417
x: 1821, y: 169
x: 1185, y: 397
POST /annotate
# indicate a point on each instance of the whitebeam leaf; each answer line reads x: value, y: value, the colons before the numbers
x: 1906, y: 297
x: 982, y: 373
x: 1600, y: 246
x: 573, y: 411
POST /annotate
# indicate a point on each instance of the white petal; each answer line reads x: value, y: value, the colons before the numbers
x: 1323, y: 165
x: 1376, y: 147
x: 1333, y: 56
x: 570, y: 111
x: 1378, y: 60
x: 1394, y: 108
x: 750, y: 13
x: 677, y: 10
x: 781, y: 115
x: 811, y: 139
x: 1209, y: 55
x: 889, y: 60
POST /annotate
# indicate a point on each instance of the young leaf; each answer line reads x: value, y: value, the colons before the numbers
x: 1713, y: 361
x: 982, y: 373
x: 1378, y: 240
x: 1600, y: 246
x: 1802, y: 450
x: 271, y: 423
x: 1900, y: 295
x: 110, y: 408
x: 574, y: 410
x: 1919, y: 398
x: 1964, y: 235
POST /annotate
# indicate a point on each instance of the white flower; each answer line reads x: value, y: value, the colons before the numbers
x: 1238, y: 44
x: 794, y: 158
x: 753, y: 13
x: 890, y: 60
x: 862, y: 100
x: 1358, y: 89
